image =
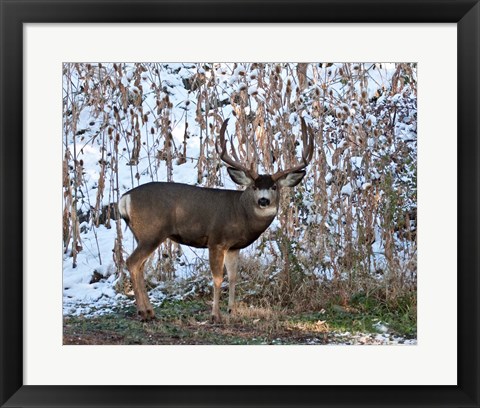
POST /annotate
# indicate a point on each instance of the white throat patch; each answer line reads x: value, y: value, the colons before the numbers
x: 266, y: 212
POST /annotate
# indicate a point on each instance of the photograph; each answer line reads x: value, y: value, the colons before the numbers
x: 239, y: 203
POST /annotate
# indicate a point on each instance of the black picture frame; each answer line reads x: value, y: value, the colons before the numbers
x: 14, y: 13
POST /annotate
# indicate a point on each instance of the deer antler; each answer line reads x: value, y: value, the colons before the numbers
x: 307, y: 153
x: 222, y: 151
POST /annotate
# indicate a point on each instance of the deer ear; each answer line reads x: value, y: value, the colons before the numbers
x: 292, y: 179
x: 239, y: 176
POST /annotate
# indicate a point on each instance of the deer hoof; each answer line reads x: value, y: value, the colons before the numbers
x: 146, y: 315
x: 216, y: 319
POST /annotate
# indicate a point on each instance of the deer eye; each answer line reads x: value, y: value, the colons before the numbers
x: 274, y: 187
x: 254, y: 188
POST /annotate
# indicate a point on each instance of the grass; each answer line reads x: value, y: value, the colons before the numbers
x: 188, y: 322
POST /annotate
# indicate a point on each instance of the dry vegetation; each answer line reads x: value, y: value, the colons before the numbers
x: 348, y: 231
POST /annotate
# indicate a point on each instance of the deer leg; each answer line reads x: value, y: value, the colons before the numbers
x: 217, y: 256
x: 135, y: 263
x: 231, y: 264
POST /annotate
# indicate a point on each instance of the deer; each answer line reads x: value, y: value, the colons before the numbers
x: 224, y: 221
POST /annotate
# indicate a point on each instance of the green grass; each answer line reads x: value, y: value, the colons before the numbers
x: 365, y: 313
x: 188, y: 322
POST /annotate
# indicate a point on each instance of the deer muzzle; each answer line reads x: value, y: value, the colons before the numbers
x: 263, y: 202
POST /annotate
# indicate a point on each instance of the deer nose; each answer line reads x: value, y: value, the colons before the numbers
x: 263, y: 202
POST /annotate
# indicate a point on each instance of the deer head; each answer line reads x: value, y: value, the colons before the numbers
x: 262, y: 190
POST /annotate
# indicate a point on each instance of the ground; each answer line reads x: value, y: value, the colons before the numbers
x: 188, y: 322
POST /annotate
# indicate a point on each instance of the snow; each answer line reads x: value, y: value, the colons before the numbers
x: 252, y: 89
x: 356, y: 161
x: 347, y: 189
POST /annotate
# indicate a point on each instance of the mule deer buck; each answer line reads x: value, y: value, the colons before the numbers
x: 224, y: 221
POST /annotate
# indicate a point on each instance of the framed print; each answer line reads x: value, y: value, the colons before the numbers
x: 110, y: 113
